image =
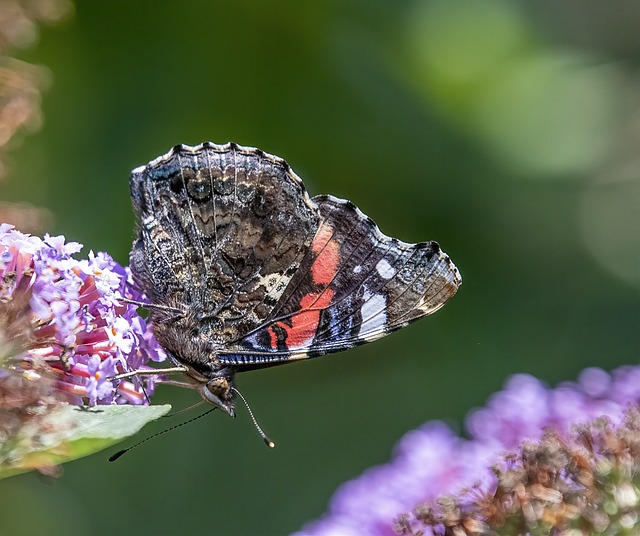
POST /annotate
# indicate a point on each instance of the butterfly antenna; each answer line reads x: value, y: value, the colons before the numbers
x: 120, y: 453
x: 268, y: 441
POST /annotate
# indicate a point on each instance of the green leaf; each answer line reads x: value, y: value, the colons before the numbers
x: 70, y: 432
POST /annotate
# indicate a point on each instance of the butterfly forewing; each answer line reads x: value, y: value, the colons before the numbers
x: 354, y: 285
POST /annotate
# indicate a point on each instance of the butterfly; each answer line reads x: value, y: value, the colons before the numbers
x: 243, y: 270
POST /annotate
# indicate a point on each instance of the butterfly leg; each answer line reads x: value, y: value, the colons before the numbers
x: 155, y: 372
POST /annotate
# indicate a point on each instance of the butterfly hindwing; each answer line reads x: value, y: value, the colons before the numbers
x: 222, y: 230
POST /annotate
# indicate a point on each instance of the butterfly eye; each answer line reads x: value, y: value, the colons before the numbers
x: 218, y: 387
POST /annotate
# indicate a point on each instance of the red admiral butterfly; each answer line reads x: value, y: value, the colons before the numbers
x: 244, y: 270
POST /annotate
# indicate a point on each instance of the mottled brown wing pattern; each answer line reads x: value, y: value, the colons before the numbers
x: 222, y: 229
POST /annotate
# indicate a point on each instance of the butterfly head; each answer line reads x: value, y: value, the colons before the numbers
x: 219, y: 392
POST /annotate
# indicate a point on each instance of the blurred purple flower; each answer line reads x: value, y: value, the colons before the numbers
x: 432, y: 461
x: 69, y: 315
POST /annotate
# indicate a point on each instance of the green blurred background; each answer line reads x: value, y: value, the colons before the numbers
x: 508, y: 131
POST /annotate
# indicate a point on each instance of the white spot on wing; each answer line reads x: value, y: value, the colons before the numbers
x: 373, y: 311
x: 385, y: 270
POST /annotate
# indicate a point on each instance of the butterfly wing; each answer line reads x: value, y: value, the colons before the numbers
x: 354, y: 285
x: 221, y: 230
x: 242, y: 268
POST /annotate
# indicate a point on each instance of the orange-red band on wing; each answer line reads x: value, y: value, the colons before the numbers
x: 304, y: 324
x: 325, y: 266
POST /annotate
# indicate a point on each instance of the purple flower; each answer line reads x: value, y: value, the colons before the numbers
x: 98, y: 386
x: 432, y: 461
x: 582, y: 481
x: 526, y: 407
x: 77, y: 323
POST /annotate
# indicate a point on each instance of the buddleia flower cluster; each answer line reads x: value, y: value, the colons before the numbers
x: 66, y: 328
x: 582, y: 483
x: 538, y: 461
